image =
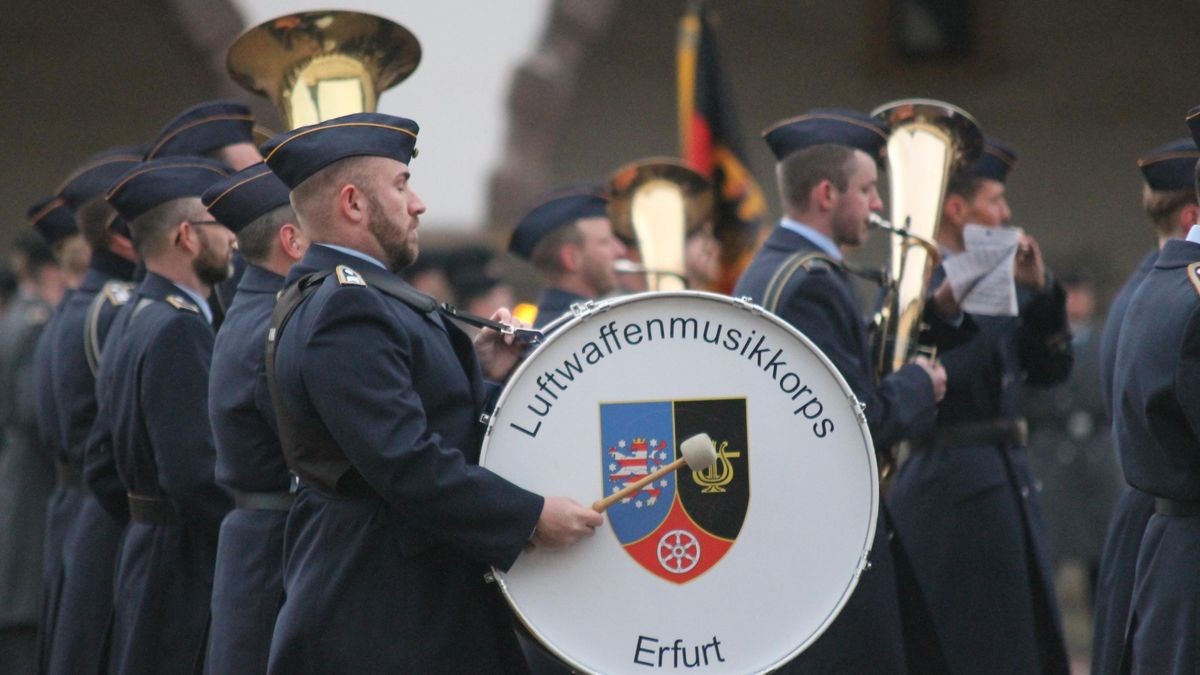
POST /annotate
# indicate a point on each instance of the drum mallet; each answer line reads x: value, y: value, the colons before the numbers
x: 698, y: 455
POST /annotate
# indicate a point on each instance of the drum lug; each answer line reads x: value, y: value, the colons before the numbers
x: 866, y: 561
x: 486, y: 420
x: 489, y: 577
x: 860, y: 410
x: 579, y: 309
x: 747, y: 303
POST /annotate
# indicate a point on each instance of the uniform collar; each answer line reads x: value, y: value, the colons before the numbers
x: 111, y: 265
x: 259, y: 280
x: 1178, y: 253
x: 819, y: 239
x: 199, y: 301
x: 351, y: 252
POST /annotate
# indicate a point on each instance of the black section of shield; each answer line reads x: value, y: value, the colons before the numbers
x: 717, y: 497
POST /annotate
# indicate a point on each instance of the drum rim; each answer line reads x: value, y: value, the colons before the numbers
x: 581, y: 312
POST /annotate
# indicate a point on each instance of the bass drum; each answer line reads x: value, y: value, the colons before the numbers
x: 733, y: 569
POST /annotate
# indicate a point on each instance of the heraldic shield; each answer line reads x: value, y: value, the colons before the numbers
x: 681, y: 526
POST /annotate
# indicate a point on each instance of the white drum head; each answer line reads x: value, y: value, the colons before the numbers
x: 735, y: 569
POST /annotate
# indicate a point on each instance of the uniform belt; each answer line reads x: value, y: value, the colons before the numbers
x: 263, y: 501
x: 1176, y: 507
x: 69, y: 475
x: 153, y: 510
x: 1001, y: 431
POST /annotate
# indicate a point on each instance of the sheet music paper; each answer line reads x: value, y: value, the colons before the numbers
x: 982, y: 276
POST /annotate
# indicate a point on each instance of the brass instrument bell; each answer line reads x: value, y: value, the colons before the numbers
x: 658, y: 202
x: 929, y: 140
x: 315, y: 66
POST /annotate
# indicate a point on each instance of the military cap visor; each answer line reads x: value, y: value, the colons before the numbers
x: 833, y: 126
x: 204, y: 128
x: 159, y: 181
x: 562, y: 208
x: 97, y: 174
x: 994, y: 163
x: 1171, y: 166
x: 297, y: 155
x: 53, y: 219
x: 245, y: 196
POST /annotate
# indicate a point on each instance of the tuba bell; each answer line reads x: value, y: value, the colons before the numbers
x: 929, y: 140
x: 315, y: 66
x: 657, y: 202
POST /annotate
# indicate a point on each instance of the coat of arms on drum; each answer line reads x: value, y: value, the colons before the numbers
x: 681, y: 526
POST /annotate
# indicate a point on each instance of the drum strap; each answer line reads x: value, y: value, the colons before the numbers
x: 795, y: 262
x: 290, y: 299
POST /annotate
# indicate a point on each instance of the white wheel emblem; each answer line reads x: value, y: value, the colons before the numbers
x: 678, y: 551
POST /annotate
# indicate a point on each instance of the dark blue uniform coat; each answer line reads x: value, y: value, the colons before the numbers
x: 1118, y: 559
x: 26, y: 467
x: 64, y: 502
x: 157, y: 366
x: 969, y: 515
x: 553, y: 303
x: 388, y: 574
x: 868, y: 636
x: 1156, y: 399
x: 90, y: 547
x: 248, y: 582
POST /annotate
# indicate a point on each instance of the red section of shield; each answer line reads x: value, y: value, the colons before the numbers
x: 679, y: 550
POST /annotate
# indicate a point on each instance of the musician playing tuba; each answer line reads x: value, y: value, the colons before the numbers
x: 828, y: 178
x: 970, y: 489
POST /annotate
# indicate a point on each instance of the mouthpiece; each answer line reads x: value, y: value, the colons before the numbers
x: 624, y: 266
x: 877, y: 220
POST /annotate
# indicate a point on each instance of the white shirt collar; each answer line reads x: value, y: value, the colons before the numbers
x: 350, y: 251
x: 822, y: 242
x: 1194, y: 234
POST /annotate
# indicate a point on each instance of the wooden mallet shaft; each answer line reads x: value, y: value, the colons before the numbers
x: 698, y: 454
x: 600, y: 505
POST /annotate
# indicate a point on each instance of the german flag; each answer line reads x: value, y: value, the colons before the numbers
x: 710, y: 141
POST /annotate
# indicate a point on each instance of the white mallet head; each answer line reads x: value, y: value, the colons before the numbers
x: 698, y: 452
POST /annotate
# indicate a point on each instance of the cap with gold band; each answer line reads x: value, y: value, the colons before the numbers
x: 296, y: 155
x: 827, y: 126
x: 994, y: 163
x: 1193, y: 121
x: 204, y: 128
x: 554, y: 210
x: 1171, y: 166
x: 53, y: 219
x: 159, y: 181
x: 245, y: 196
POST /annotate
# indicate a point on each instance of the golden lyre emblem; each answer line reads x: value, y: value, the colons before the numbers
x: 719, y: 473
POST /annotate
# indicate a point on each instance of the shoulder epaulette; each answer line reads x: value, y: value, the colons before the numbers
x: 346, y: 276
x: 117, y: 293
x: 1193, y: 272
x: 180, y: 302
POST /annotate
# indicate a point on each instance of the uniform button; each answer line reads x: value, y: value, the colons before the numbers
x: 1024, y: 492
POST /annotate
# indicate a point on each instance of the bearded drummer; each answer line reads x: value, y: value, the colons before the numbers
x: 377, y: 396
x: 828, y: 181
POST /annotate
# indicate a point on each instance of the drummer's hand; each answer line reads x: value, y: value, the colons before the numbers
x: 937, y: 376
x: 499, y: 353
x: 563, y: 522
